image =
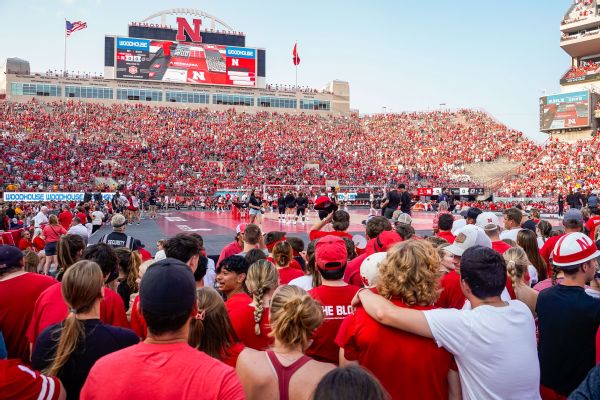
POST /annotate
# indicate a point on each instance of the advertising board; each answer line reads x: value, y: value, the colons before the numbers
x: 199, y: 63
x: 49, y: 196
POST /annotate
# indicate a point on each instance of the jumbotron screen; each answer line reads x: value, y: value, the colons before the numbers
x: 565, y: 111
x: 199, y: 63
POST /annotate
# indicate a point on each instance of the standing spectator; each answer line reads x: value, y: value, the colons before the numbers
x: 252, y: 238
x: 566, y: 314
x: 18, y: 293
x: 77, y: 228
x: 212, y: 333
x: 407, y: 365
x: 405, y: 199
x: 129, y: 266
x: 68, y: 350
x: 168, y: 302
x: 333, y: 294
x: 512, y: 224
x: 445, y: 222
x: 350, y: 383
x: 41, y: 218
x: 517, y: 265
x: 185, y: 248
x: 230, y: 281
x: 251, y: 321
x: 537, y: 268
x: 302, y: 205
x: 492, y: 230
x: 494, y: 338
x: 561, y: 204
x: 254, y: 204
x: 234, y: 247
x: 65, y: 217
x: 118, y: 237
x: 51, y: 233
x: 282, y: 257
x: 97, y: 219
x: 340, y: 222
x: 442, y: 209
x: 572, y: 222
x: 284, y: 371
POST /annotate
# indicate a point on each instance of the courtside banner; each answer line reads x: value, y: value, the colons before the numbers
x: 50, y: 196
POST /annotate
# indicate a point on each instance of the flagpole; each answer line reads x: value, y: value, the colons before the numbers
x: 296, y: 47
x: 65, y: 52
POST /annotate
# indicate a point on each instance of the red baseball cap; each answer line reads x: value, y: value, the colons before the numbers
x: 331, y: 253
x: 385, y: 240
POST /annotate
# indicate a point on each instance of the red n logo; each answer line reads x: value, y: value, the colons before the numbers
x: 183, y: 27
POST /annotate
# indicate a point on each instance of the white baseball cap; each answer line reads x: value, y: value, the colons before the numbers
x: 466, y: 237
x: 487, y: 218
x: 369, y: 269
x: 573, y: 249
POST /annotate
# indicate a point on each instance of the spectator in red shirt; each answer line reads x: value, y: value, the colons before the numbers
x: 23, y: 383
x: 230, y: 281
x: 251, y: 320
x: 282, y: 257
x: 490, y: 223
x: 65, y: 217
x: 407, y: 365
x: 25, y: 242
x: 340, y: 222
x: 445, y: 222
x: 50, y: 307
x: 50, y: 234
x: 18, y: 293
x: 234, y: 247
x: 573, y: 222
x: 168, y: 301
x: 333, y: 294
x: 212, y: 332
x: 452, y: 295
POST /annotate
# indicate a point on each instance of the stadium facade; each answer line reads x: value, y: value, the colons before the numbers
x: 198, y: 62
x: 574, y: 113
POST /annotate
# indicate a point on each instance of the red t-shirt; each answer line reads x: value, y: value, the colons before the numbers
x: 50, y: 308
x: 592, y: 224
x: 408, y: 366
x: 546, y: 251
x: 17, y: 301
x: 65, y: 218
x: 241, y: 314
x: 293, y: 264
x: 234, y: 353
x: 158, y: 371
x: 500, y: 246
x: 231, y: 249
x: 53, y: 233
x: 286, y: 274
x: 336, y: 302
x: 452, y: 295
x: 82, y: 217
x: 447, y: 235
x: 314, y: 235
x: 25, y: 244
x: 17, y: 381
x: 352, y: 272
x: 138, y: 323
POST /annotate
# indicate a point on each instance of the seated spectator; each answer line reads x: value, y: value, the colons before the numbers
x: 25, y: 242
x: 212, y: 332
x: 282, y: 258
x: 284, y: 371
x: 168, y: 302
x: 68, y: 350
x: 340, y: 222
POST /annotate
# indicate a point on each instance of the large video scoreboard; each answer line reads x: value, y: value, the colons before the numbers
x: 170, y: 61
x: 565, y: 111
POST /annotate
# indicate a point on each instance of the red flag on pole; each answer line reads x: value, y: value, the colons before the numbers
x: 296, y: 57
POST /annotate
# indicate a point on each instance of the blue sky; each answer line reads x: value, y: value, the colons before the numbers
x: 402, y: 55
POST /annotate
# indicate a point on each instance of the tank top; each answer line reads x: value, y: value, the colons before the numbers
x: 283, y: 373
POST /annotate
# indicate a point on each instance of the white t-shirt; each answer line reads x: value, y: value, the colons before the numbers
x: 209, y: 278
x: 510, y: 234
x: 494, y: 347
x: 97, y: 217
x: 39, y: 219
x: 305, y: 282
x: 80, y: 230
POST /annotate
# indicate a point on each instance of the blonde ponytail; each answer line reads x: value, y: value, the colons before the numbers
x: 516, y: 264
x: 262, y: 276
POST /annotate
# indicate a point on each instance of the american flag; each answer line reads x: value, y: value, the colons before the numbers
x: 75, y: 26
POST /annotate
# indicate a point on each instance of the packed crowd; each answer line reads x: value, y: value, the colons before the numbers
x: 195, y: 151
x: 587, y: 68
x: 477, y: 309
x: 581, y: 10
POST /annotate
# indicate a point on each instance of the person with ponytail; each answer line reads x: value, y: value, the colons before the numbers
x: 68, y: 350
x: 70, y: 248
x: 284, y: 372
x: 517, y: 263
x: 129, y: 267
x: 212, y: 332
x: 282, y: 257
x: 251, y: 321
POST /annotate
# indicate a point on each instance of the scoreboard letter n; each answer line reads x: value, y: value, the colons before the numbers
x: 183, y: 27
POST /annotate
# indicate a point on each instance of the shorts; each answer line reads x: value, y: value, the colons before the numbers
x: 254, y: 211
x: 50, y: 249
x: 281, y: 210
x: 300, y: 211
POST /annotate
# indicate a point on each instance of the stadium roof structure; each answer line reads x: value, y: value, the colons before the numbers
x: 191, y: 12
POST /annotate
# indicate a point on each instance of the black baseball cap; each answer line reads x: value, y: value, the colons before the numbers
x: 168, y: 288
x: 473, y: 212
x: 10, y: 256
